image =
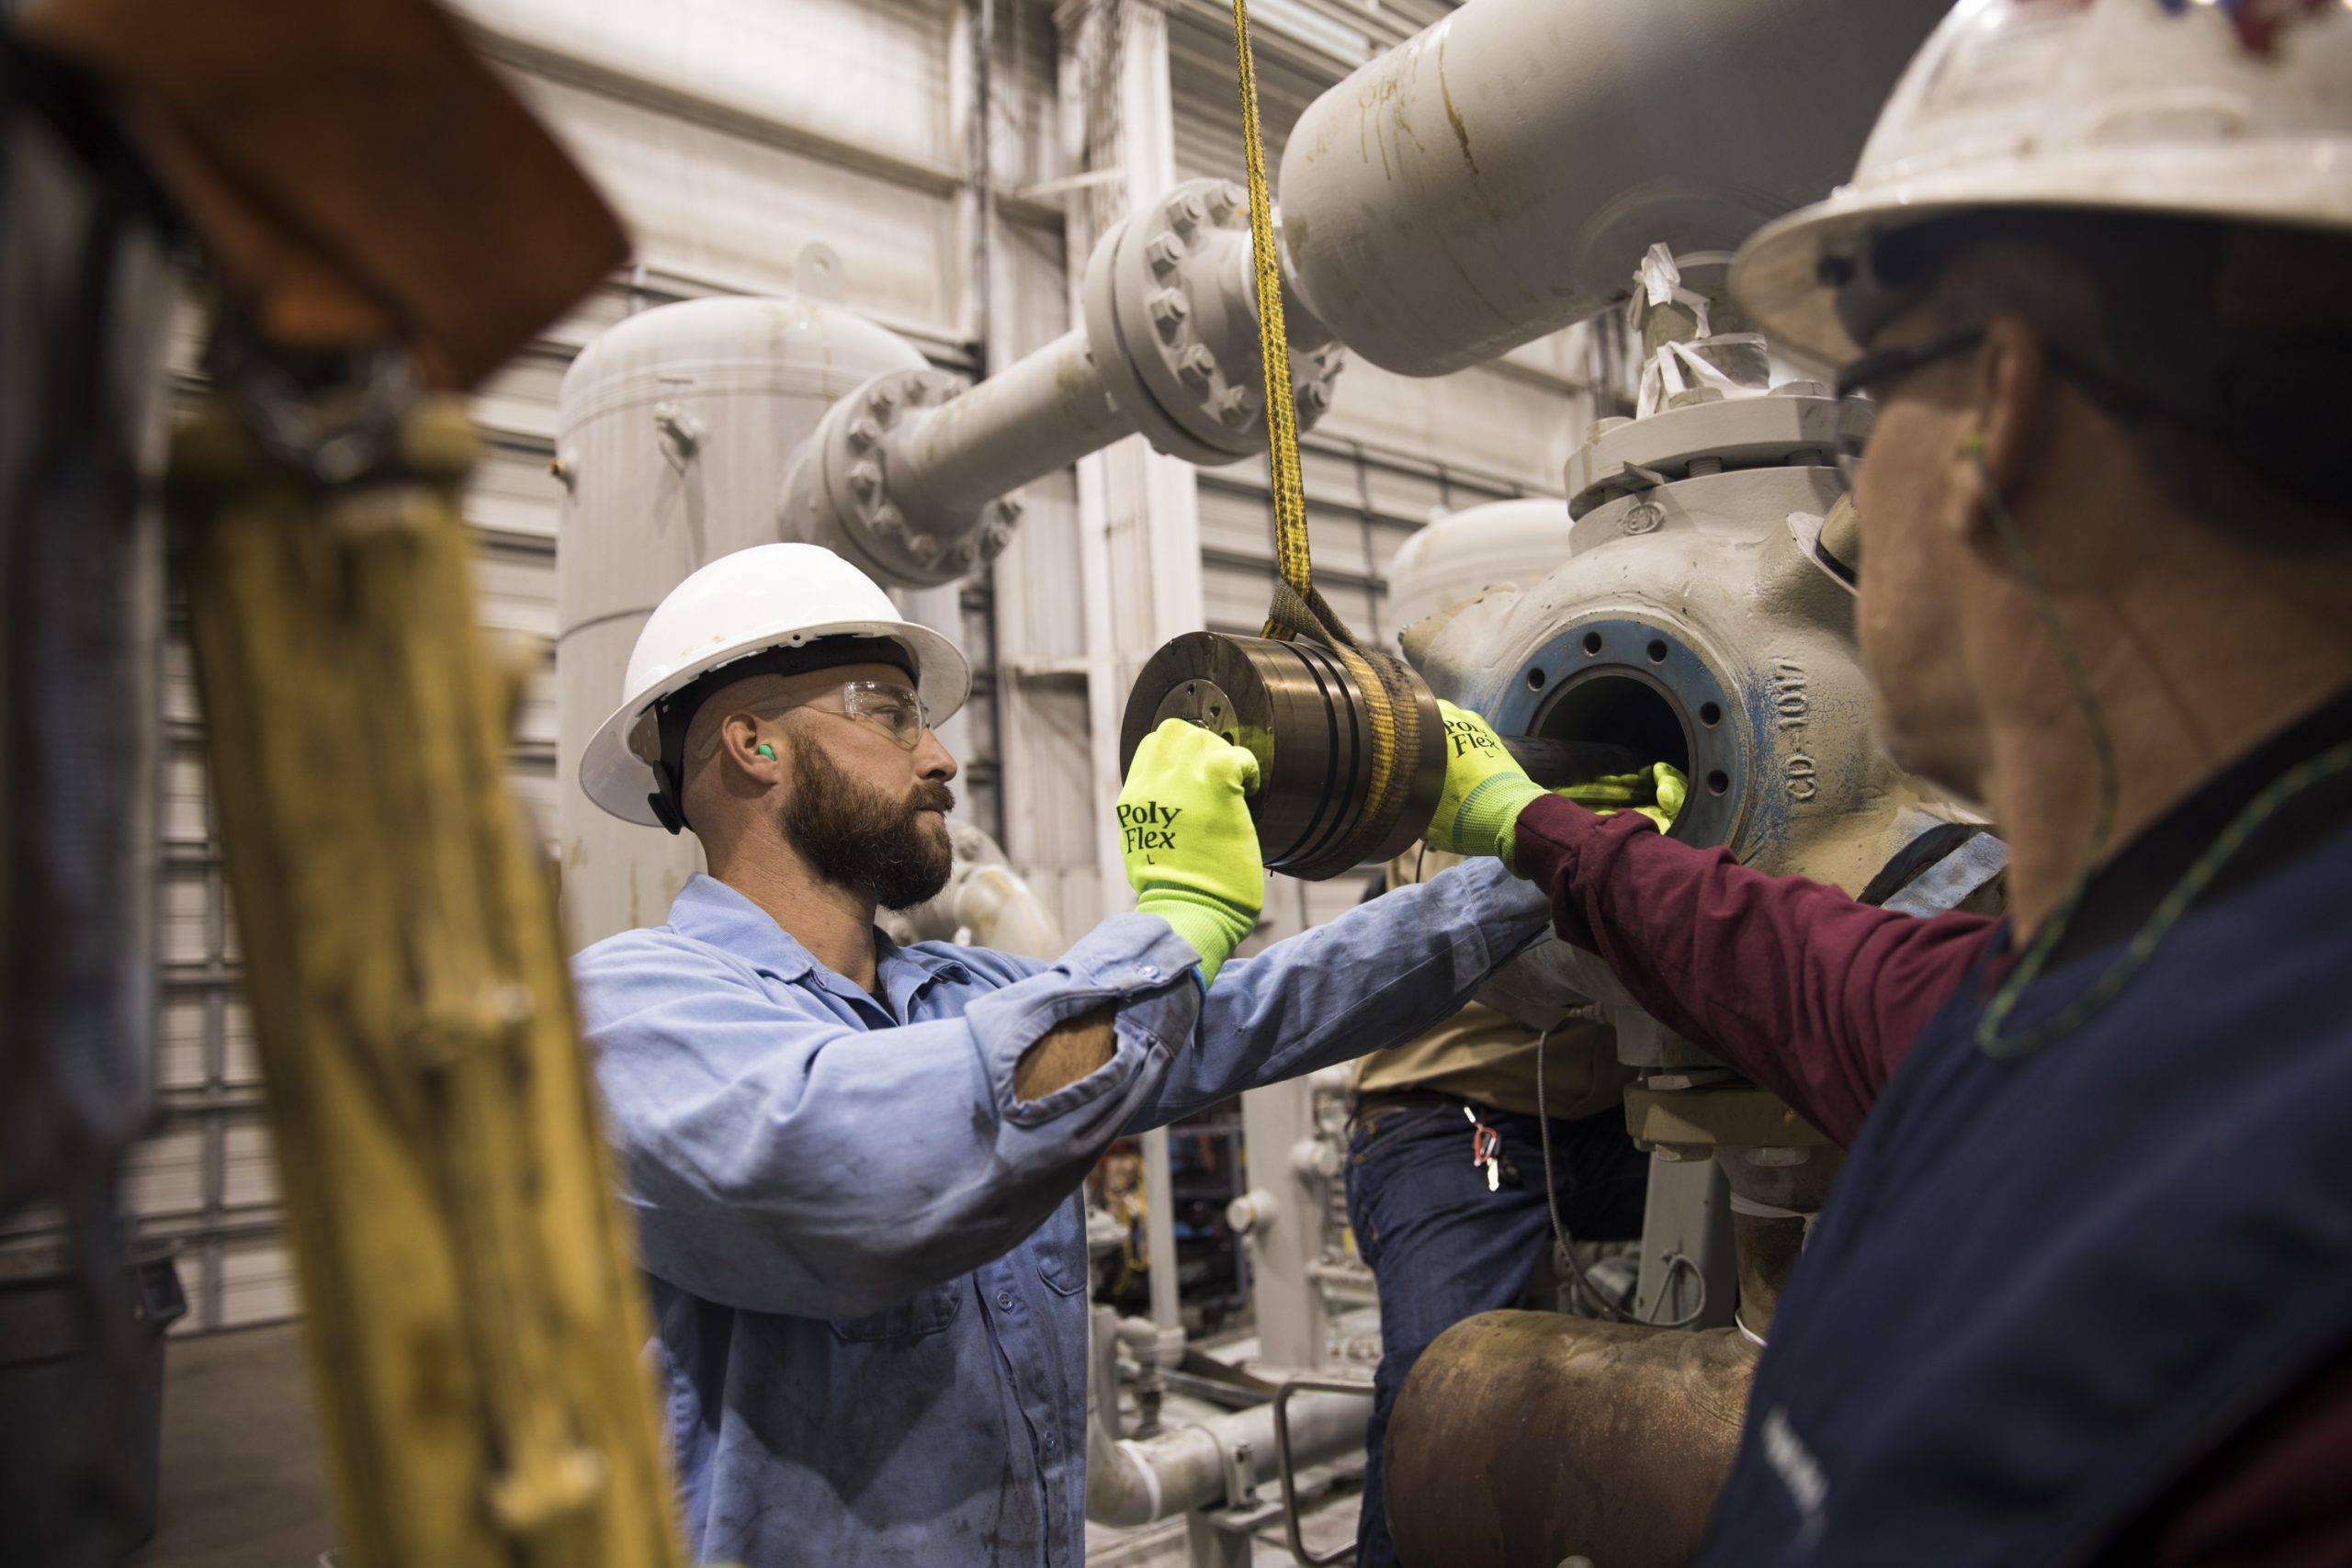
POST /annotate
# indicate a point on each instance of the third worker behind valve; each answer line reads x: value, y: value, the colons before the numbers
x: 1447, y: 1173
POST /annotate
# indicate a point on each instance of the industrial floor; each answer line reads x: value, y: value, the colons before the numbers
x: 243, y: 1486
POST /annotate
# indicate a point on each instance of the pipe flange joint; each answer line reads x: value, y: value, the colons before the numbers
x: 877, y: 508
x: 1172, y: 325
x: 1645, y: 683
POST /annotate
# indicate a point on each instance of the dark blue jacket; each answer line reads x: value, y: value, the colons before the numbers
x: 2047, y: 1285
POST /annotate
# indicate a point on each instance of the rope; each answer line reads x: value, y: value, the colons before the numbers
x: 1299, y: 609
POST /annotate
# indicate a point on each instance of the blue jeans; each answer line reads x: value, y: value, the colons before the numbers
x: 1442, y: 1247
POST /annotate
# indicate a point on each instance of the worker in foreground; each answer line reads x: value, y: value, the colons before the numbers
x: 855, y: 1167
x: 2083, y: 1293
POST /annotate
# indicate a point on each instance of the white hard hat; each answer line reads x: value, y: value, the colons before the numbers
x: 756, y: 600
x: 2238, y: 114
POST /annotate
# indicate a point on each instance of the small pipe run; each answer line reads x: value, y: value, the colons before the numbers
x: 1041, y: 413
x: 1160, y: 1229
x: 1131, y: 1483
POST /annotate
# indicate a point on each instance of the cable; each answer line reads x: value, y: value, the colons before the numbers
x: 1566, y: 1243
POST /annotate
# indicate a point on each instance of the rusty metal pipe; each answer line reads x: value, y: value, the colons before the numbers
x: 1521, y: 1438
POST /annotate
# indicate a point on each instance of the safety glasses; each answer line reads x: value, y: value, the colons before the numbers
x: 1856, y: 414
x: 886, y: 707
x: 883, y: 706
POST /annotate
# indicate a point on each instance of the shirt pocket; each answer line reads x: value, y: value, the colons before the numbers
x: 1060, y: 1246
x: 925, y: 1312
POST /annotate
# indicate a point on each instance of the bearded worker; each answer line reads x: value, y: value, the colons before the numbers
x: 854, y: 1166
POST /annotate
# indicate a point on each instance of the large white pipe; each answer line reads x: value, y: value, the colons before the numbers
x: 1038, y: 415
x: 1500, y: 176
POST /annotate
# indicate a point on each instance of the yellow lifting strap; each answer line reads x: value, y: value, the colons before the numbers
x: 1298, y: 610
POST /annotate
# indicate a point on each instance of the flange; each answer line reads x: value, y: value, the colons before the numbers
x: 886, y: 521
x: 1173, y: 328
x: 1638, y: 683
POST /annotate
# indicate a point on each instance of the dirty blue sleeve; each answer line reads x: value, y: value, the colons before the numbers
x: 1380, y: 976
x: 781, y: 1159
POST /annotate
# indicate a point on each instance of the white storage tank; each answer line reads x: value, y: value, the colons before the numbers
x: 672, y: 435
x: 1463, y: 554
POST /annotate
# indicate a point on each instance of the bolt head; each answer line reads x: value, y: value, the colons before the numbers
x: 1312, y: 397
x: 1164, y: 251
x: 1238, y: 406
x: 883, y: 400
x: 885, y: 521
x: 864, y: 432
x: 1227, y: 197
x: 993, y: 538
x: 924, y: 548
x: 1010, y: 509
x: 1168, y: 309
x: 865, y: 479
x: 1187, y: 211
x: 1196, y: 365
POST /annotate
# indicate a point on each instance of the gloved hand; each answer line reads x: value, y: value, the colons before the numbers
x: 1191, y: 849
x: 1656, y: 792
x: 1485, y: 790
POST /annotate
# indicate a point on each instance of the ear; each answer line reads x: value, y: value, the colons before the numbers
x: 2008, y: 406
x: 740, y: 739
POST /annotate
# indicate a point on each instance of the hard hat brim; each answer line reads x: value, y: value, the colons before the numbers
x: 619, y: 782
x: 1776, y: 279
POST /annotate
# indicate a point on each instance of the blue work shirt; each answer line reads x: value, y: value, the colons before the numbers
x: 867, y: 1254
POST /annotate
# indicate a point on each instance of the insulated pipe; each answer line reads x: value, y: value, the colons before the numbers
x: 912, y: 475
x: 1160, y: 1229
x: 1430, y: 221
x: 1131, y: 1482
x: 1500, y: 176
x: 1042, y: 413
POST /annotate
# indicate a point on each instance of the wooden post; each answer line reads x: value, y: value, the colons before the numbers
x: 474, y: 1318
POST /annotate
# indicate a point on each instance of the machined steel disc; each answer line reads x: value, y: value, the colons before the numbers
x: 1298, y: 708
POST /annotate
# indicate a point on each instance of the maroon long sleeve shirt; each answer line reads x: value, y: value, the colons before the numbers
x: 1819, y: 998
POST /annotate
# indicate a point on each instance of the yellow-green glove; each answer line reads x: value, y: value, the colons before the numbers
x: 1656, y: 792
x: 1191, y: 849
x: 1485, y: 790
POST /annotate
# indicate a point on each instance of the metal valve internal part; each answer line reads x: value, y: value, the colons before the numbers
x: 1294, y: 706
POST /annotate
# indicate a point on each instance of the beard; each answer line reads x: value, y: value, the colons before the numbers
x: 857, y: 837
